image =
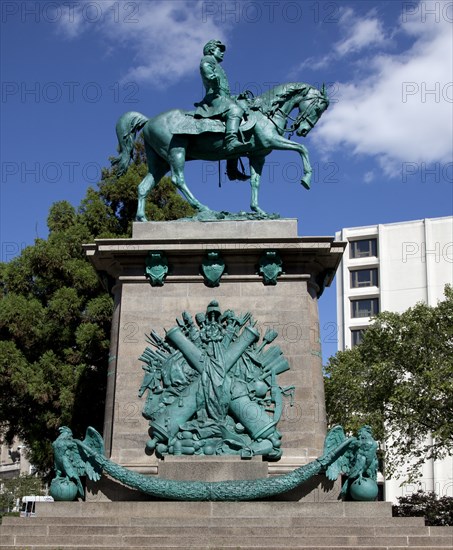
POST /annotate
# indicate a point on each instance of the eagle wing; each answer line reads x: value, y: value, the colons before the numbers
x: 334, y: 439
x: 94, y: 441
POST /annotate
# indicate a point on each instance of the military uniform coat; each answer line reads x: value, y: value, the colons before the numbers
x: 217, y: 100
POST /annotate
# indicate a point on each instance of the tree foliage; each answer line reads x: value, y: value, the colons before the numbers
x: 400, y: 381
x: 18, y: 487
x: 436, y: 510
x: 55, y: 315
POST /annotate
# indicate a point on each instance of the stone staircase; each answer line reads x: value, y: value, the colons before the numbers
x: 137, y: 525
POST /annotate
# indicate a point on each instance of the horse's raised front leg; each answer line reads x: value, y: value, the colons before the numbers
x: 157, y: 168
x: 284, y: 144
x: 177, y: 158
x: 256, y: 169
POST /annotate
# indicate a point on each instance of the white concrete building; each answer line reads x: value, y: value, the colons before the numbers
x: 391, y: 267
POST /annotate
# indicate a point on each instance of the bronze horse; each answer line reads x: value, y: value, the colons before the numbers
x: 167, y: 148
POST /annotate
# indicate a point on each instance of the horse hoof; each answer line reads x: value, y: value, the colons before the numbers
x: 141, y: 219
x: 305, y: 184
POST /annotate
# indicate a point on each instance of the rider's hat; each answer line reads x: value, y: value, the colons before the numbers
x: 209, y: 46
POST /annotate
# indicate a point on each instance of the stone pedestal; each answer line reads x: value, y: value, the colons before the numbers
x: 208, y: 468
x: 289, y: 307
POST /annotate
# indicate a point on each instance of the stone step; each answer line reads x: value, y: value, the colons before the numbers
x: 206, y: 540
x: 441, y: 530
x: 213, y: 525
x: 235, y: 547
x: 217, y: 521
x: 215, y: 509
x: 189, y: 530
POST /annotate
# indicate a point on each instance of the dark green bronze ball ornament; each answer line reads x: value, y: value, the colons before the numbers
x: 63, y: 489
x: 364, y: 489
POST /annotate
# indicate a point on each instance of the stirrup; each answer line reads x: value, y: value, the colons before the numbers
x: 232, y: 143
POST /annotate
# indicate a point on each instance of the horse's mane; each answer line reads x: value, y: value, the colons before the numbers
x: 271, y: 100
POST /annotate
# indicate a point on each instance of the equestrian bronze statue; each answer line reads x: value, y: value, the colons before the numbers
x: 223, y: 127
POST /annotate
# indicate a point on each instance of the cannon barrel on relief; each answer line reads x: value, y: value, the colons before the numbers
x: 194, y: 356
x: 250, y: 414
x: 166, y: 424
x: 258, y: 423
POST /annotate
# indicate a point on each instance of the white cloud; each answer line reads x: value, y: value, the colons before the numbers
x: 73, y: 18
x: 165, y: 37
x: 368, y: 177
x: 360, y: 33
x: 312, y: 63
x: 389, y: 114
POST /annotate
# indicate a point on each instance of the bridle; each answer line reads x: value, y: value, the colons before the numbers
x: 301, y: 117
x: 305, y: 115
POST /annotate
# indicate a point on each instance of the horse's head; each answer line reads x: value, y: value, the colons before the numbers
x: 311, y: 107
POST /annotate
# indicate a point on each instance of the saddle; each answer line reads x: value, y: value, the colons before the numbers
x: 194, y: 126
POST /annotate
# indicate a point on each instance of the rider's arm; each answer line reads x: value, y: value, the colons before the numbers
x: 207, y: 69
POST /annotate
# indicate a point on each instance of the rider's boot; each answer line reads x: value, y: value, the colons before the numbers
x: 231, y: 137
x: 233, y: 171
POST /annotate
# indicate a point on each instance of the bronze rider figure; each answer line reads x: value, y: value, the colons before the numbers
x: 218, y: 102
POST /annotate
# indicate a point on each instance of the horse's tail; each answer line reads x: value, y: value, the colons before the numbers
x: 127, y: 126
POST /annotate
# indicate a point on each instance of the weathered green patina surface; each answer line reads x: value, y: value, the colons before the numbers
x: 359, y: 463
x: 214, y: 132
x: 213, y: 267
x: 218, y: 101
x: 212, y: 388
x: 72, y: 460
x: 195, y: 490
x: 351, y: 456
x: 270, y: 266
x: 156, y: 268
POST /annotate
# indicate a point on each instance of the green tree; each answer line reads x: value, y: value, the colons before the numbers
x: 436, y: 510
x: 400, y: 381
x: 18, y: 487
x: 55, y: 314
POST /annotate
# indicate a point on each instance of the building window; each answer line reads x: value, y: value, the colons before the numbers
x: 363, y: 248
x: 364, y: 277
x: 356, y: 336
x: 364, y: 308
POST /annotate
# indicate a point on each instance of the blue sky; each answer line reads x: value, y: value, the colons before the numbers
x: 381, y: 153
